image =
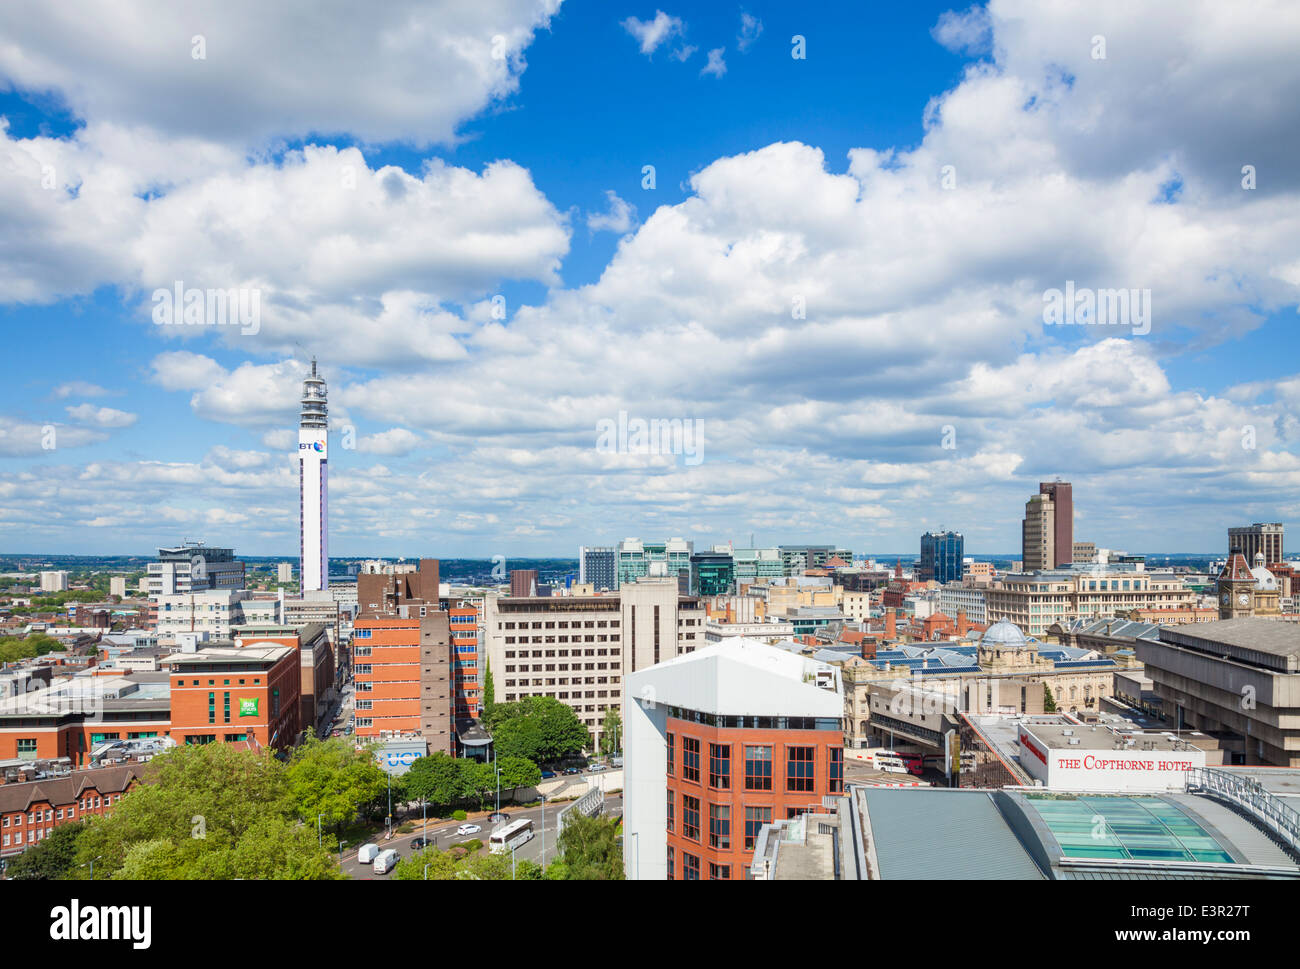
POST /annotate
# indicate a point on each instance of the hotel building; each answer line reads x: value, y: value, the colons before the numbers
x: 226, y: 694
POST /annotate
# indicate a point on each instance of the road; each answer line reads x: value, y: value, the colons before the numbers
x: 444, y: 836
x: 343, y: 716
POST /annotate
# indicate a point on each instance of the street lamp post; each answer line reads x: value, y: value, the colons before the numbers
x: 320, y: 834
x: 340, y: 854
x: 390, y: 805
x: 543, y: 833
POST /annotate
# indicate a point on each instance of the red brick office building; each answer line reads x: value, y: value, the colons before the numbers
x: 231, y: 694
x: 719, y: 742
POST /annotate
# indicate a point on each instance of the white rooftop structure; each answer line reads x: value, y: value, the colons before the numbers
x: 744, y: 677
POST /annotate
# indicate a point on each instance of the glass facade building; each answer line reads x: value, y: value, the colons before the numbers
x: 941, y: 555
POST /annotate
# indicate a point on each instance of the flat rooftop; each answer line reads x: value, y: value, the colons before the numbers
x: 233, y: 656
x: 1095, y: 737
x: 1267, y: 642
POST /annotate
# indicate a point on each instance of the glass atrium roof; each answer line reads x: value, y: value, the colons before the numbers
x: 1122, y: 828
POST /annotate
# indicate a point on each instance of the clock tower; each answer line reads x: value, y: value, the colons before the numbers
x: 1236, y: 588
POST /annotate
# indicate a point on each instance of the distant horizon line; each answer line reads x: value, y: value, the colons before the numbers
x: 489, y: 558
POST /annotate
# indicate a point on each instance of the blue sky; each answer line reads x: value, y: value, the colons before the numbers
x: 779, y: 181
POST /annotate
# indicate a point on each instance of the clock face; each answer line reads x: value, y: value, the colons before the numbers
x: 1227, y: 597
x: 1244, y: 599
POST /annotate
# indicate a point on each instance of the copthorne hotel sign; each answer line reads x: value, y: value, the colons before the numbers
x: 1083, y: 759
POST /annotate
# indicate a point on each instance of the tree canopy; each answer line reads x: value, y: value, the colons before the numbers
x: 611, y: 732
x: 52, y: 858
x: 334, y: 779
x: 539, y: 728
x: 590, y: 848
x: 206, y: 812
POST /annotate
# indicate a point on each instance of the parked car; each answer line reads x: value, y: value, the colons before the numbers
x: 595, y: 767
x: 468, y: 829
x: 547, y: 774
x: 499, y: 817
x: 573, y: 770
x: 419, y: 844
x: 367, y: 853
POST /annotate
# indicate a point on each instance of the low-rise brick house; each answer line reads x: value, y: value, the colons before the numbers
x: 30, y: 811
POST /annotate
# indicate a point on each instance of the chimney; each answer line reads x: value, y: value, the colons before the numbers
x: 962, y: 627
x: 890, y: 628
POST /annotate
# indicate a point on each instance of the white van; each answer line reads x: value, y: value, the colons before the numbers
x: 385, y: 861
x: 366, y: 853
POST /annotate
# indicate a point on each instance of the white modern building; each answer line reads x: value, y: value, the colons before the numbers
x: 313, y: 479
x: 117, y: 586
x: 733, y: 694
x: 284, y: 573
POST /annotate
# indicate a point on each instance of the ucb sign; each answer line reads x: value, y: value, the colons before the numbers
x: 397, y: 756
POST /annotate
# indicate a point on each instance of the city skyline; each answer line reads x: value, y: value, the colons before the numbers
x: 846, y: 311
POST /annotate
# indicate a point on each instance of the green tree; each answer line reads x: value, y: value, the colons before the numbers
x: 489, y: 689
x: 540, y: 728
x: 518, y: 737
x: 611, y: 732
x: 51, y: 859
x: 590, y: 848
x: 15, y: 648
x: 334, y: 779
x: 517, y: 772
x: 459, y: 865
x: 204, y: 812
x: 1049, y: 702
x: 437, y: 779
x: 479, y: 780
